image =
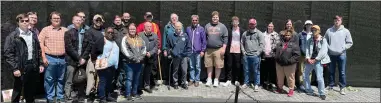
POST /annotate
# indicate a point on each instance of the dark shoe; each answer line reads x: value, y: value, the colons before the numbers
x: 322, y: 97
x: 185, y: 87
x: 102, y: 101
x: 176, y: 87
x: 279, y: 91
x: 129, y: 98
x: 60, y: 100
x: 196, y: 84
x: 137, y: 96
x: 190, y: 83
x: 148, y: 89
x: 110, y: 99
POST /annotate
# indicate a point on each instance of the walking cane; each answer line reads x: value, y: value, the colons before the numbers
x: 161, y: 77
x: 169, y: 74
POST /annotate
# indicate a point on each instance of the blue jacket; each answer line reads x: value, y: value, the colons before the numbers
x: 303, y: 37
x: 179, y: 45
x: 169, y: 30
x: 197, y: 38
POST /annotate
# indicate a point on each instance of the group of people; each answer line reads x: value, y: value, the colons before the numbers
x: 81, y: 60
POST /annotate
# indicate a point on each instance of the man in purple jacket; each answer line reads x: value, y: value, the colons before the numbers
x: 197, y: 38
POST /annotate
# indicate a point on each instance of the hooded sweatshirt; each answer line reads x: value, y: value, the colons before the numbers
x: 338, y: 40
x: 216, y: 35
x: 252, y: 43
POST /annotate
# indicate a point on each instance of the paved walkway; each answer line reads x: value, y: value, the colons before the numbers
x: 221, y: 94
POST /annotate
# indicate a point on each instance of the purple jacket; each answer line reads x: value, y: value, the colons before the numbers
x: 197, y: 38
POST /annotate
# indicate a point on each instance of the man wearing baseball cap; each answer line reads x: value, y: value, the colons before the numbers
x: 94, y: 34
x: 305, y: 35
x: 252, y: 44
x: 339, y: 41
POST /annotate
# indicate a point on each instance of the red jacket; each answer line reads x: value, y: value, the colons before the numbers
x: 155, y: 29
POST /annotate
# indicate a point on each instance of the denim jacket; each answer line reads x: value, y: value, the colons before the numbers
x: 322, y: 47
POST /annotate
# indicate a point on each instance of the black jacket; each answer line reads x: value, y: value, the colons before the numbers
x: 92, y: 36
x: 288, y: 56
x: 151, y: 41
x: 16, y: 51
x: 120, y: 32
x: 71, y: 47
x: 230, y: 36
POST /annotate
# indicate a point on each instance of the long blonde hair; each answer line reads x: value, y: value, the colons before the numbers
x: 135, y: 41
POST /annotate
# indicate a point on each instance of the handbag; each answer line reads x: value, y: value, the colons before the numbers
x: 79, y: 75
x: 102, y: 63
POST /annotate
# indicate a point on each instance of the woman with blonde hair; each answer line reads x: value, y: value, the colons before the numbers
x: 134, y: 50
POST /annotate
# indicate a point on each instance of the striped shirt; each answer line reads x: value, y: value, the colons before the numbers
x: 53, y: 40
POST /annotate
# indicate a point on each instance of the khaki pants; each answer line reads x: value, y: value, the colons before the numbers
x: 300, y: 71
x: 289, y: 72
x: 214, y: 58
x: 92, y: 77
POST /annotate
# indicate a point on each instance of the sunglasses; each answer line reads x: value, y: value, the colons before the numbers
x: 24, y: 21
x: 82, y: 16
x: 194, y: 20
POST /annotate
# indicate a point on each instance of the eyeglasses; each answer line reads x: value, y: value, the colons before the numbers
x: 56, y: 18
x: 110, y: 32
x: 21, y: 21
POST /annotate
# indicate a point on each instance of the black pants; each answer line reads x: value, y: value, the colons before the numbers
x: 149, y: 71
x: 26, y: 83
x: 268, y: 72
x: 182, y: 64
x: 234, y: 70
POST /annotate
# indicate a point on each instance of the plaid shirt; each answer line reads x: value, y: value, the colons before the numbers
x: 53, y: 40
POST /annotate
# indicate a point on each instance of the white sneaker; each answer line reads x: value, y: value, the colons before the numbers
x: 228, y: 83
x: 244, y: 86
x: 342, y: 91
x: 256, y: 88
x: 215, y: 84
x: 208, y: 82
x: 237, y: 83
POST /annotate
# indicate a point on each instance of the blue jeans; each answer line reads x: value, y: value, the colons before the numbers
x: 319, y: 76
x: 105, y: 82
x: 252, y: 67
x: 195, y: 67
x: 341, y: 61
x: 133, y: 77
x: 54, y: 76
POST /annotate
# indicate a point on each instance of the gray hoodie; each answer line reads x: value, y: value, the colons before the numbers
x: 338, y: 40
x: 216, y: 35
x: 252, y: 44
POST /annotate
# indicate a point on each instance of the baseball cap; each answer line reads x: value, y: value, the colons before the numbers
x: 308, y: 22
x: 316, y: 27
x: 98, y: 16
